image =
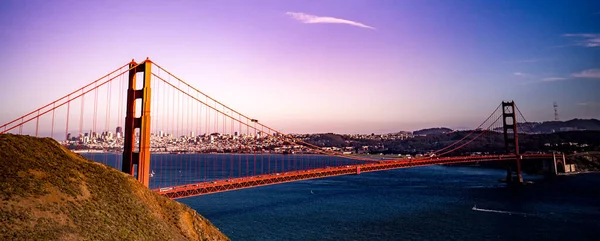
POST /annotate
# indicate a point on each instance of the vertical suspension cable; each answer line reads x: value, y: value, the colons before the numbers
x: 173, y: 134
x: 247, y: 132
x: 188, y: 132
x: 196, y: 124
x: 190, y: 142
x: 269, y: 159
x: 81, y: 118
x: 67, y: 124
x: 179, y: 128
x: 215, y: 158
x: 222, y: 160
x: 231, y: 173
x: 94, y: 116
x: 202, y: 168
x: 162, y: 168
x: 178, y: 105
x: 254, y: 141
x: 95, y: 120
x: 224, y: 157
x: 37, y: 123
x: 207, y: 135
x: 120, y: 121
x: 52, y: 128
x: 240, y: 147
x: 153, y: 129
x: 171, y: 130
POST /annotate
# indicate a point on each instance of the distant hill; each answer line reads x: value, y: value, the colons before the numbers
x: 50, y: 193
x: 327, y: 139
x: 432, y: 131
x: 561, y: 126
x: 493, y: 142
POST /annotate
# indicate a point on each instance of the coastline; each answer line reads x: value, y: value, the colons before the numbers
x: 577, y: 172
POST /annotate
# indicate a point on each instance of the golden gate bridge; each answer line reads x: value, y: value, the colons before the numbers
x: 164, y: 115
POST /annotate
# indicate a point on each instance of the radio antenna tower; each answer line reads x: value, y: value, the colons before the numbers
x: 555, y: 111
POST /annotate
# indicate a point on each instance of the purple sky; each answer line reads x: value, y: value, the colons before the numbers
x: 319, y: 66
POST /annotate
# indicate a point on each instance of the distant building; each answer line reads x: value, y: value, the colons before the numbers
x: 569, y: 168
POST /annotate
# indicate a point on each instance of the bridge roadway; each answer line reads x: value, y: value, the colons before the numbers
x: 215, y: 186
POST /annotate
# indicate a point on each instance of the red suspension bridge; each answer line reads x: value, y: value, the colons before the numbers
x: 155, y: 114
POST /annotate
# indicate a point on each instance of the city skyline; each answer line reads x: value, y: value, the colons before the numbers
x: 317, y: 67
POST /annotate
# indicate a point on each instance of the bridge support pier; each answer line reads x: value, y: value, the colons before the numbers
x: 137, y: 160
x: 511, y: 139
x: 516, y: 176
x: 519, y: 172
x: 554, y: 160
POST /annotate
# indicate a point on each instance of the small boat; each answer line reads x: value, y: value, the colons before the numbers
x: 497, y: 211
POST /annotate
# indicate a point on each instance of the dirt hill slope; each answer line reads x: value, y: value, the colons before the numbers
x: 50, y: 193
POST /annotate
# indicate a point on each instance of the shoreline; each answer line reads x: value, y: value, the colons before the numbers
x: 91, y: 151
x: 577, y: 172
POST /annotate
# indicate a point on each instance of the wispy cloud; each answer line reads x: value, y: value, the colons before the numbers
x: 589, y: 103
x: 307, y: 18
x: 532, y: 80
x: 551, y: 79
x: 523, y: 75
x: 589, y: 40
x: 588, y: 73
x: 531, y: 60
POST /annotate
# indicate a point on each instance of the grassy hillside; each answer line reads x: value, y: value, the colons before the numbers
x: 50, y: 193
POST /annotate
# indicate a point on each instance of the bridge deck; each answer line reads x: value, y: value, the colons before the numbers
x: 202, y: 188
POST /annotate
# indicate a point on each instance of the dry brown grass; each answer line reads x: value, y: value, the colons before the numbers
x: 50, y: 193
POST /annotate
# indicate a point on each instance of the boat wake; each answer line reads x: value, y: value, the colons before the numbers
x: 497, y: 211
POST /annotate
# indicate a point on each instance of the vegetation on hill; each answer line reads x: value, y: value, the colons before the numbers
x: 588, y: 161
x: 566, y: 142
x: 489, y: 142
x: 50, y: 193
x: 558, y: 126
x: 326, y: 139
x: 432, y: 131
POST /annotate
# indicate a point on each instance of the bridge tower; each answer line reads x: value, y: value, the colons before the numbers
x: 137, y: 159
x: 511, y: 139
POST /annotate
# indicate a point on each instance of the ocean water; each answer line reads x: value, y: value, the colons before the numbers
x: 178, y: 169
x: 422, y: 203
